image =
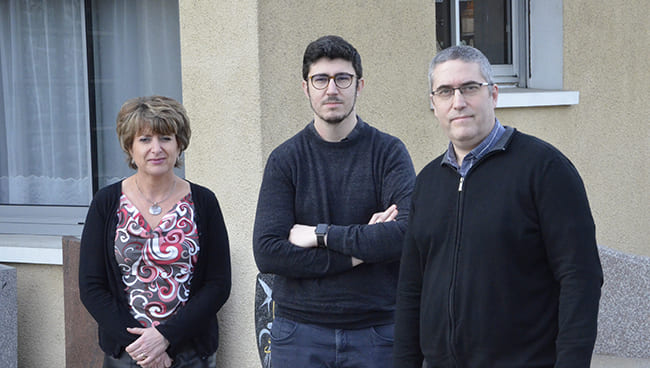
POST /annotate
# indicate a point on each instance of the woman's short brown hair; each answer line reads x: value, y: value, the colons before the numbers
x: 163, y: 115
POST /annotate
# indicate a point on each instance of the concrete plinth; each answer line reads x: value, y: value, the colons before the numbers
x: 81, y: 345
x: 8, y: 318
x: 624, y: 314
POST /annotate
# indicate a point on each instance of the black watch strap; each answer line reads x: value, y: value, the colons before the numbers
x: 321, y: 231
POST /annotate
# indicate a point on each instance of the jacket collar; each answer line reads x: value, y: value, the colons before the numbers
x: 499, y: 146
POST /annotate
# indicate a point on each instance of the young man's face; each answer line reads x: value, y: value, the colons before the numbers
x: 466, y: 120
x: 332, y: 104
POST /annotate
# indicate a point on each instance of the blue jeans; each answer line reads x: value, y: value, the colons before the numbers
x: 310, y: 346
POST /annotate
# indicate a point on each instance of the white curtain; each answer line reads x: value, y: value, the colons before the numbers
x: 44, y: 154
x: 44, y: 110
x: 139, y: 47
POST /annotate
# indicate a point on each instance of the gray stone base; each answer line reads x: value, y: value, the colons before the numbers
x: 624, y: 314
x: 608, y: 361
x: 8, y: 318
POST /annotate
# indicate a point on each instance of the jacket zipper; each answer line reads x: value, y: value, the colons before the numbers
x: 452, y: 285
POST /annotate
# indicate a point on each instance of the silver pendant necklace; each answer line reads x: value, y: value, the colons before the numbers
x: 155, y: 208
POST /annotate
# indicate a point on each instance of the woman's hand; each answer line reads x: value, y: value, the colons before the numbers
x: 163, y: 361
x: 149, y: 347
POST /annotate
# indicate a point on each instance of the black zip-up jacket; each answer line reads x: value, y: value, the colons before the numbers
x: 500, y: 268
x: 102, y: 291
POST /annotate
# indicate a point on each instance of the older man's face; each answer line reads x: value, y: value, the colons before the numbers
x: 466, y: 120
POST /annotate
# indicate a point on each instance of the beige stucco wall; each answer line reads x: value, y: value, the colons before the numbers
x: 241, y: 65
x: 219, y: 57
x: 241, y: 85
x: 395, y: 40
x: 607, y: 135
x: 41, y: 330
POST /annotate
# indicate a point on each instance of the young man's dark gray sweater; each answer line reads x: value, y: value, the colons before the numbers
x: 308, y: 180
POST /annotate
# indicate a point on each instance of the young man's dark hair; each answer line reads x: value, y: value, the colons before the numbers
x: 333, y: 47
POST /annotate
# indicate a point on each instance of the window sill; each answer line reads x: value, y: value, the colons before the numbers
x: 35, y: 249
x: 530, y: 97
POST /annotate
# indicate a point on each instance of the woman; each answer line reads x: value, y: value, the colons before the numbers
x: 155, y: 262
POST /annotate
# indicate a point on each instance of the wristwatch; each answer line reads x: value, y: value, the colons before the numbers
x: 321, y: 231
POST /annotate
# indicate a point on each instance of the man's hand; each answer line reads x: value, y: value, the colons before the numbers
x: 303, y: 236
x: 388, y: 215
x: 147, y: 348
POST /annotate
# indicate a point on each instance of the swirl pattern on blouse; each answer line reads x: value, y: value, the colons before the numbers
x: 156, y: 264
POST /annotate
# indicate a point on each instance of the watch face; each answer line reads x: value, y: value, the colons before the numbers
x: 321, y: 229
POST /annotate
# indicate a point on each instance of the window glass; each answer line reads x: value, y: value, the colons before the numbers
x: 491, y: 27
x: 137, y: 53
x: 66, y: 67
x: 44, y: 150
x: 487, y: 25
x: 47, y: 147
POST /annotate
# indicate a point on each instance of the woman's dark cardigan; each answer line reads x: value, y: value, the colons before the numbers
x: 102, y: 290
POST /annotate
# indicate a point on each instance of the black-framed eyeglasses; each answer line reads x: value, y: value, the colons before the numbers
x: 342, y: 80
x: 467, y: 90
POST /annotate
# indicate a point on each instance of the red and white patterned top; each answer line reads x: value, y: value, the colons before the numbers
x: 156, y: 264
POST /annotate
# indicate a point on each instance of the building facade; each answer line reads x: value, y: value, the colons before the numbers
x: 241, y: 74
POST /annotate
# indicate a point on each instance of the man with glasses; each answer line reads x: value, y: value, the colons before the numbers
x: 330, y: 222
x: 500, y: 265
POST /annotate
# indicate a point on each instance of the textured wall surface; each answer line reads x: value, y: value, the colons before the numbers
x: 624, y: 314
x: 41, y: 333
x: 396, y: 41
x: 8, y: 321
x: 81, y: 347
x: 219, y: 57
x: 608, y: 361
x: 606, y: 136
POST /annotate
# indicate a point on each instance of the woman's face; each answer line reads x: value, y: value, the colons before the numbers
x: 154, y: 154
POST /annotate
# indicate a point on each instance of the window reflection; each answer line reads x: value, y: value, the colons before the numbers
x: 486, y: 25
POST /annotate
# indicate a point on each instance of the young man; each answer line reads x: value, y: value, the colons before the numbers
x: 330, y: 222
x: 500, y: 265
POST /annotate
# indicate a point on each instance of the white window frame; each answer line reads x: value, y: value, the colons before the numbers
x: 544, y: 79
x: 42, y: 220
x: 32, y: 249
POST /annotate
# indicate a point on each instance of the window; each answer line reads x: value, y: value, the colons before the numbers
x: 523, y: 39
x: 65, y: 69
x: 492, y: 26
